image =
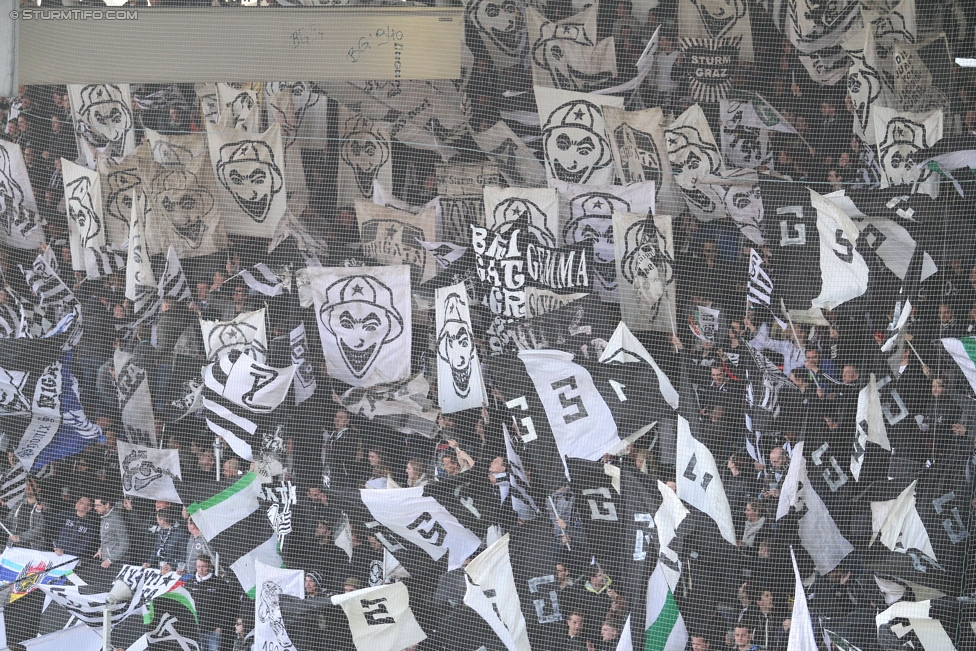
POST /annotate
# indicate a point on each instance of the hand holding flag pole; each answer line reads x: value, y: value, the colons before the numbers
x: 558, y: 520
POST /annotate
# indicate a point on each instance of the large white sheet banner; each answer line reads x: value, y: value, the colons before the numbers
x: 269, y: 626
x: 459, y: 381
x: 102, y: 116
x: 19, y: 224
x: 380, y: 618
x: 491, y: 592
x: 83, y: 203
x: 644, y: 252
x: 246, y: 332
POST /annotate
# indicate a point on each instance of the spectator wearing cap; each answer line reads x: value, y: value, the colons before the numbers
x: 351, y: 584
x: 196, y: 546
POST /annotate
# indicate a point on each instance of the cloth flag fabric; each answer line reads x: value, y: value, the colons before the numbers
x: 818, y: 533
x: 666, y: 629
x: 83, y: 203
x: 79, y: 637
x: 844, y: 271
x: 228, y: 507
x: 347, y: 300
x: 102, y: 117
x: 173, y: 619
x: 667, y: 519
x: 391, y: 237
x: 459, y: 382
x: 364, y: 156
x: 640, y: 153
x: 246, y: 332
x: 380, y: 618
x: 27, y: 569
x: 150, y: 472
x: 272, y: 583
x: 18, y: 215
x: 146, y: 584
x: 135, y: 401
x: 644, y: 259
x: 516, y: 162
x: 139, y: 277
x: 249, y: 169
x: 897, y: 525
x: 625, y: 348
x: 801, y: 630
x: 699, y: 481
x: 119, y: 176
x: 695, y: 159
x: 105, y: 260
x: 900, y: 137
x: 963, y: 352
x: 870, y: 425
x: 566, y: 53
x: 578, y: 117
x: 912, y: 620
x: 245, y: 567
x: 421, y: 520
x: 491, y: 592
x: 501, y: 29
x: 403, y: 406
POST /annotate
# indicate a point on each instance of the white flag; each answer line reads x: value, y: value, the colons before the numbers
x: 21, y: 225
x: 391, y: 237
x: 139, y: 278
x: 380, y: 618
x: 870, y: 425
x: 566, y: 53
x: 364, y: 317
x: 102, y: 117
x: 699, y: 481
x: 269, y: 626
x: 422, y: 521
x: 246, y: 332
x: 492, y: 594
x: 818, y: 531
x: 364, y: 156
x: 900, y: 136
x: 459, y: 381
x: 83, y: 203
x: 644, y: 258
x: 899, y: 525
x: 844, y: 271
x: 667, y: 519
x: 801, y: 630
x: 695, y: 157
x: 666, y: 629
x: 929, y: 632
x: 79, y: 637
x: 135, y: 401
x: 150, y: 472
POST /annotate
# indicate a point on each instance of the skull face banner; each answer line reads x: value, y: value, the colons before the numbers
x: 83, y: 203
x: 574, y: 137
x: 364, y: 319
x: 459, y: 382
x: 250, y: 171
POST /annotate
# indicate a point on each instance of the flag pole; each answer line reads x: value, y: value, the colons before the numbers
x: 556, y: 513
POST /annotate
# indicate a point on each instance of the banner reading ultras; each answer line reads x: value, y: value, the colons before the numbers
x: 320, y: 43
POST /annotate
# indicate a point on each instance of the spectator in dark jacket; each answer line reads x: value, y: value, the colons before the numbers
x: 170, y: 538
x: 114, y: 541
x: 77, y: 536
x: 213, y: 598
x: 25, y: 522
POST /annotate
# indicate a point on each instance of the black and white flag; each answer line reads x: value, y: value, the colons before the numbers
x: 575, y: 144
x: 714, y: 39
x: 459, y: 382
x: 516, y: 162
x: 364, y: 317
x: 380, y: 618
x: 174, y: 621
x: 135, y: 401
x: 19, y: 224
x: 501, y: 26
x: 897, y: 525
x: 588, y: 211
x: 461, y: 190
x: 83, y: 203
x: 250, y: 172
x: 271, y: 584
x: 246, y: 332
x: 913, y: 625
x: 871, y: 430
x: 566, y: 53
x: 695, y: 159
x: 699, y: 481
x: 421, y: 520
x: 119, y: 177
x: 239, y: 106
x: 140, y: 282
x: 105, y: 260
x: 103, y: 120
x: 667, y: 519
x: 302, y: 112
x: 403, y: 406
x: 644, y: 252
x: 818, y: 33
x: 175, y: 150
x: 390, y: 237
x: 491, y: 592
x: 150, y: 472
x: 900, y: 136
x: 364, y: 156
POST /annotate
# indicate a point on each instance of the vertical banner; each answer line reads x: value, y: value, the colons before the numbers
x: 102, y: 117
x: 364, y: 156
x: 645, y: 270
x: 269, y: 627
x: 459, y: 381
x: 83, y: 203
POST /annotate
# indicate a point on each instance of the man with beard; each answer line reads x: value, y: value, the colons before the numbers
x: 249, y: 172
x: 575, y: 145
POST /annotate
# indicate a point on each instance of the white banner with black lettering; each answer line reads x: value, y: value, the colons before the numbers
x: 581, y: 421
x: 246, y: 332
x: 269, y: 627
x: 845, y: 273
x: 364, y: 317
x: 699, y: 481
x: 390, y: 237
x: 83, y: 203
x: 491, y: 593
x: 459, y: 381
x: 250, y: 170
x: 151, y: 473
x: 422, y: 521
x: 644, y: 252
x: 380, y: 618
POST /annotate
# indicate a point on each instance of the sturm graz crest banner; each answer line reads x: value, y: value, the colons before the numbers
x: 715, y: 35
x: 19, y: 227
x: 574, y: 135
x: 459, y: 382
x: 364, y: 318
x: 645, y: 270
x: 566, y: 53
x: 83, y: 203
x: 149, y: 472
x: 251, y: 179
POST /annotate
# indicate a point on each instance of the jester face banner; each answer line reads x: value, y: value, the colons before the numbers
x: 694, y: 156
x: 19, y: 227
x: 239, y: 107
x: 364, y: 318
x: 501, y: 26
x: 103, y: 120
x: 174, y: 150
x: 119, y: 178
x: 301, y: 111
x: 250, y: 172
x: 364, y: 156
x: 459, y: 382
x: 900, y: 137
x: 645, y: 271
x: 574, y: 136
x: 83, y: 203
x: 566, y: 53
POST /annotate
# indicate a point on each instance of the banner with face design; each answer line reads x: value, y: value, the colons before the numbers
x: 246, y: 332
x: 119, y: 176
x: 140, y: 283
x: 868, y: 85
x: 746, y: 121
x: 251, y: 180
x: 301, y: 111
x: 364, y: 156
x: 183, y: 210
x: 587, y: 220
x: 900, y: 136
x: 575, y: 145
x: 566, y: 53
x: 19, y: 226
x: 694, y: 155
x: 461, y: 190
x: 175, y: 150
x: 817, y: 28
x: 83, y: 203
x: 102, y: 117
x: 514, y: 159
x: 209, y: 102
x: 390, y: 236
x: 715, y: 36
x: 501, y: 26
x: 459, y: 382
x: 239, y: 106
x: 645, y: 270
x: 364, y: 318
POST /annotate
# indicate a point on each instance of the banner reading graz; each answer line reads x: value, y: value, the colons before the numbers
x: 711, y: 64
